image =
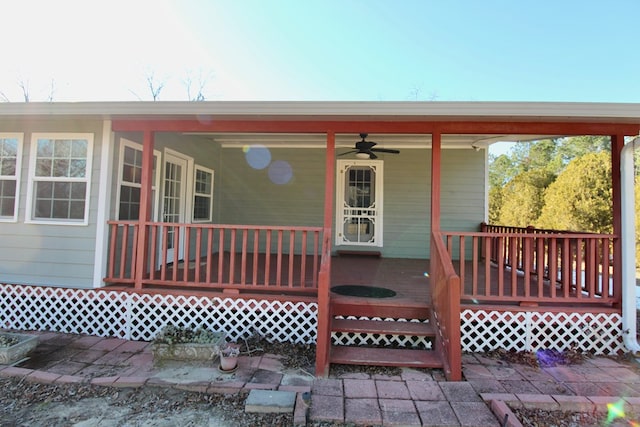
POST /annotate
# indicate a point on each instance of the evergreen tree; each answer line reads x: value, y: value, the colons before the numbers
x: 580, y: 198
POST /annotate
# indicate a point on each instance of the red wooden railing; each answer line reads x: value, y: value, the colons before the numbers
x: 323, y: 339
x: 526, y: 265
x: 214, y: 256
x: 445, y: 298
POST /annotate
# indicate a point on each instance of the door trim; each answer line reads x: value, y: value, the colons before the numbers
x: 374, y: 212
x: 186, y: 195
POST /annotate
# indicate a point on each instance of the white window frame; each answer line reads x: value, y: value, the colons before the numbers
x: 16, y: 177
x: 196, y: 194
x: 155, y: 185
x: 29, y: 217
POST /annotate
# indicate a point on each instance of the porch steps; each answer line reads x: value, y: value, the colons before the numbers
x: 354, y: 306
x: 383, y: 327
x: 343, y: 307
x: 385, y: 357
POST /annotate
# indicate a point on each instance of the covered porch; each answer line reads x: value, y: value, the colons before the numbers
x: 494, y: 269
x: 457, y: 269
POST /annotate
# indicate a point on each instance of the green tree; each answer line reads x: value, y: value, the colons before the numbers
x: 502, y: 169
x: 533, y: 155
x: 523, y: 197
x: 517, y: 181
x: 512, y: 181
x: 578, y: 146
x: 495, y: 204
x: 580, y: 198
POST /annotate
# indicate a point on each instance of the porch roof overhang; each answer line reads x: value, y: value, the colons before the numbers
x: 337, y: 111
x: 481, y: 123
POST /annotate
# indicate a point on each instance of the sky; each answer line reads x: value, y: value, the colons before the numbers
x: 335, y: 50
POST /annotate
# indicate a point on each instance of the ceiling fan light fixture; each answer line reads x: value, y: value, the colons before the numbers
x: 366, y: 149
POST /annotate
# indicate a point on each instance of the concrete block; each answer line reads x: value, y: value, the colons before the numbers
x: 270, y: 401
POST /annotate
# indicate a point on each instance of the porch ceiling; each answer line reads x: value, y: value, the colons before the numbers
x: 399, y: 141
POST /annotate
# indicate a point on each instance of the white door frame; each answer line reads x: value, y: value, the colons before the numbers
x: 175, y: 207
x: 359, y: 225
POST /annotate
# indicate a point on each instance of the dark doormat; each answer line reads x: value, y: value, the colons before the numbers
x: 363, y: 291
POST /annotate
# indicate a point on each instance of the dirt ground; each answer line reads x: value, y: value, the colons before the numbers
x: 32, y: 404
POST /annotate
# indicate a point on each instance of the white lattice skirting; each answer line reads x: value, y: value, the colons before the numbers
x: 141, y: 317
x: 596, y: 333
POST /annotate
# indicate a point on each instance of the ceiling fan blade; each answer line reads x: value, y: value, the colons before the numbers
x: 372, y: 156
x: 386, y: 150
x: 348, y: 152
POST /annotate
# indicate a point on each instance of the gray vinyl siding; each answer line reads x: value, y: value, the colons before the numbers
x: 249, y: 196
x: 407, y: 204
x: 43, y: 254
x: 462, y: 191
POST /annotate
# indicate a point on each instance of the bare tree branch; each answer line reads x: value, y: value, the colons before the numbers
x: 154, y: 87
x: 24, y: 86
x: 52, y: 90
x: 200, y: 82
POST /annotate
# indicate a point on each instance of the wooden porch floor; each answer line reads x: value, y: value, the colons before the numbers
x: 407, y: 277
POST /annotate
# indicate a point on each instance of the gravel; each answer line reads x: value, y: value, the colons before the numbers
x: 542, y: 418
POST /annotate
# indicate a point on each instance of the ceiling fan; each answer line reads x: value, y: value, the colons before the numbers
x: 365, y: 149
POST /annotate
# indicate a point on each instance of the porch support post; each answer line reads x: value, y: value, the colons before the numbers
x: 329, y: 180
x: 617, y: 143
x: 323, y: 339
x: 436, y: 171
x: 145, y: 207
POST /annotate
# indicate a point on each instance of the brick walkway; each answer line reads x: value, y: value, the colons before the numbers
x: 414, y: 397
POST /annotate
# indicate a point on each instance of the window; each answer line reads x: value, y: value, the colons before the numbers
x: 10, y: 156
x: 60, y: 177
x: 130, y: 181
x: 203, y: 195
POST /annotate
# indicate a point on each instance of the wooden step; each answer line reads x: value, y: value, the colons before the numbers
x: 385, y: 357
x: 376, y: 307
x: 412, y: 329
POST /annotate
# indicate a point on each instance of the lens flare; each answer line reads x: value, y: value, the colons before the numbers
x: 257, y: 156
x: 280, y: 172
x: 615, y: 410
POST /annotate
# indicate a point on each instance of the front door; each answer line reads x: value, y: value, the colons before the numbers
x: 174, y: 204
x: 359, y: 203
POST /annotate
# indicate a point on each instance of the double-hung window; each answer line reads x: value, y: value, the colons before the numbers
x: 203, y: 194
x: 60, y: 177
x: 130, y: 181
x: 10, y: 159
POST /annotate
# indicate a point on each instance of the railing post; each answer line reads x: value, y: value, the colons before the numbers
x: 145, y: 207
x: 323, y: 337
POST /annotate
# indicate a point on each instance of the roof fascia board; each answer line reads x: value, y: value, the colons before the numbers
x: 376, y: 126
x: 436, y: 109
